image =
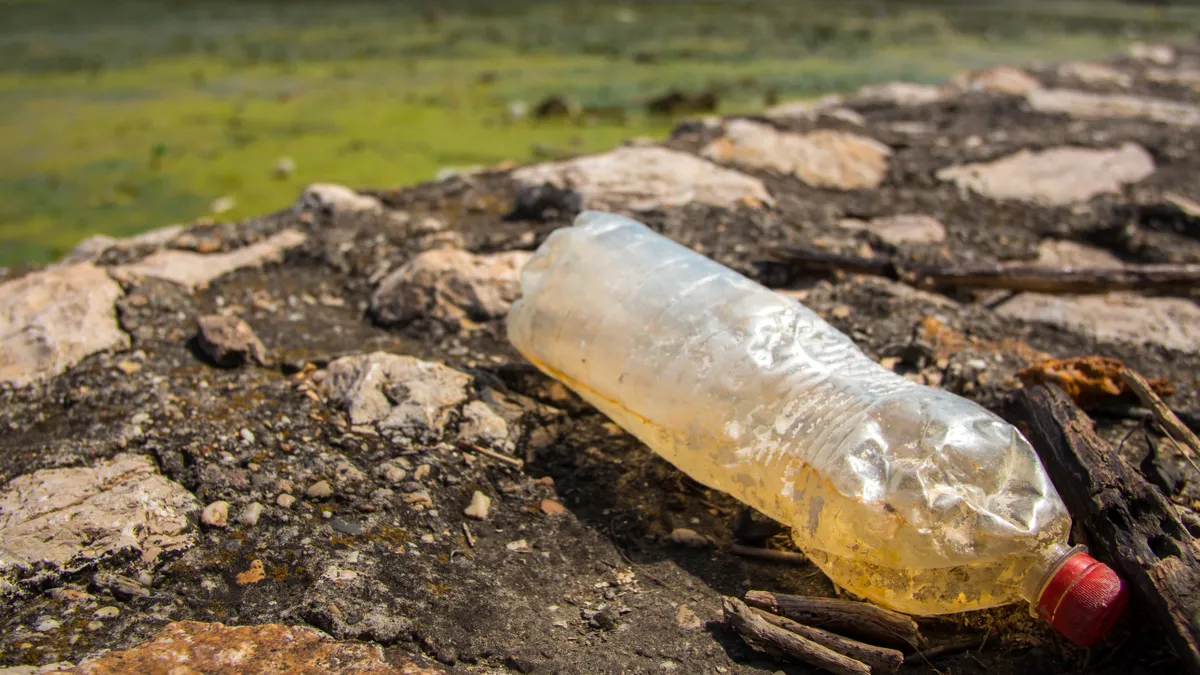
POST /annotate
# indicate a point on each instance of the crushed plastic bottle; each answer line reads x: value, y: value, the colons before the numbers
x: 908, y: 496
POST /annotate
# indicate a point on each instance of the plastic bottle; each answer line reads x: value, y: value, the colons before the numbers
x: 908, y: 496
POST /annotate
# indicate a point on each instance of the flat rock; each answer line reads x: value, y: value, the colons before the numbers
x: 823, y: 158
x: 93, y: 247
x: 1089, y: 72
x: 1187, y: 77
x: 1088, y: 105
x: 632, y: 179
x: 1173, y: 323
x: 401, y: 393
x: 229, y: 341
x: 67, y: 518
x: 1065, y: 253
x: 452, y: 286
x: 198, y: 270
x: 908, y: 228
x: 195, y: 648
x: 1056, y: 176
x: 52, y: 319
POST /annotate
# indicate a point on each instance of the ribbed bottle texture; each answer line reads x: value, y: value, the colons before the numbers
x: 909, y: 496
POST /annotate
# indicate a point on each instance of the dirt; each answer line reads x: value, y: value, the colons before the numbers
x: 600, y: 587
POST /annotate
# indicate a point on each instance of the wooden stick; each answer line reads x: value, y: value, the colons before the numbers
x: 1128, y: 521
x: 768, y: 554
x: 511, y: 461
x: 1010, y: 276
x: 762, y: 635
x: 860, y: 619
x: 880, y: 659
x: 1187, y: 441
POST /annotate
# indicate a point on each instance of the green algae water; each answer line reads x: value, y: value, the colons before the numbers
x: 121, y: 116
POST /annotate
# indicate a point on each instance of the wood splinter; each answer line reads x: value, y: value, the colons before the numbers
x: 859, y: 619
x: 767, y: 637
x: 880, y: 659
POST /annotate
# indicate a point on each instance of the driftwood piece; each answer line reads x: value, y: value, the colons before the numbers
x: 1009, y: 276
x: 846, y: 617
x: 880, y: 659
x: 765, y: 636
x: 1127, y: 519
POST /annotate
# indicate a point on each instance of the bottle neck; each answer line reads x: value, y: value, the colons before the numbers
x: 1043, y: 570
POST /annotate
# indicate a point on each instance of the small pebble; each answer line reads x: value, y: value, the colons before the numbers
x: 682, y: 536
x: 247, y: 435
x: 285, y: 500
x: 428, y: 538
x: 251, y: 513
x: 216, y: 514
x: 107, y: 612
x: 480, y: 505
x: 319, y: 490
x: 47, y: 625
x: 552, y: 508
x: 95, y: 625
x: 421, y: 472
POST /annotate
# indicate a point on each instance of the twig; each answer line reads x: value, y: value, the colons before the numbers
x: 1011, y: 276
x: 1127, y: 520
x: 762, y: 635
x: 768, y: 554
x: 511, y: 461
x: 1177, y: 431
x: 860, y: 619
x: 470, y: 537
x: 926, y: 655
x: 880, y: 659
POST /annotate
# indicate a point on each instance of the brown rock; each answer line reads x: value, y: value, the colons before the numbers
x: 824, y: 158
x: 632, y: 179
x: 253, y: 575
x: 194, y: 648
x: 229, y: 341
x: 452, y: 286
x: 53, y: 319
x: 552, y: 508
x: 197, y: 270
x: 1056, y: 176
x: 69, y: 517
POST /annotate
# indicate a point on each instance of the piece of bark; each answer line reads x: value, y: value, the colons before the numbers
x: 766, y: 637
x: 847, y: 617
x: 1128, y: 521
x: 880, y: 659
x: 1010, y: 276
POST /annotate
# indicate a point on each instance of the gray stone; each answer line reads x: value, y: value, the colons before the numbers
x: 823, y: 158
x: 1056, y: 176
x: 1088, y: 105
x: 68, y: 518
x: 399, y: 393
x: 901, y: 229
x: 53, y: 319
x: 1173, y: 323
x: 451, y: 286
x: 197, y: 270
x: 632, y: 179
x: 229, y: 341
x: 481, y: 425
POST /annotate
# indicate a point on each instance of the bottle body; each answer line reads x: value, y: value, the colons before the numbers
x: 909, y: 496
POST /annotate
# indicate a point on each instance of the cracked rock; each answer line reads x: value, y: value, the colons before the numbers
x: 53, y: 319
x: 452, y: 286
x: 197, y: 270
x: 60, y: 520
x: 398, y: 393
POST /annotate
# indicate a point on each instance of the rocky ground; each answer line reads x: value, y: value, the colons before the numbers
x: 222, y: 439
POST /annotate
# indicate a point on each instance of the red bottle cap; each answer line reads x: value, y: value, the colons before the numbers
x: 1084, y: 599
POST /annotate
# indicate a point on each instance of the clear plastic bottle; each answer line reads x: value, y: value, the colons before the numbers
x: 909, y: 496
